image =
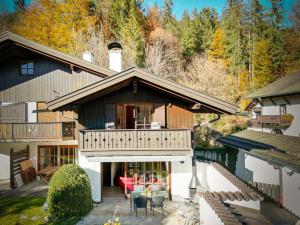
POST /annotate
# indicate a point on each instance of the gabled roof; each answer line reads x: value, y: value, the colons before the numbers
x: 280, y: 149
x: 85, y: 94
x: 54, y: 54
x: 290, y: 84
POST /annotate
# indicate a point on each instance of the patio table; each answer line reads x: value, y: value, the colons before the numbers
x: 47, y: 172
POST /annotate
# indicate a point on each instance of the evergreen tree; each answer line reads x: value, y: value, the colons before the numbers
x: 189, y: 36
x: 168, y: 21
x: 208, y: 23
x: 277, y: 50
x: 235, y: 40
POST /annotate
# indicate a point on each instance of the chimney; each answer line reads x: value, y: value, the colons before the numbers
x: 115, y: 56
x: 88, y: 56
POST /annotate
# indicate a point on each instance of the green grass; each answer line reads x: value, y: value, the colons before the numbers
x: 27, y: 211
x: 22, y: 211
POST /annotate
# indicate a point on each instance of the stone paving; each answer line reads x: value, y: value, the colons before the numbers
x: 103, y: 212
x: 36, y: 188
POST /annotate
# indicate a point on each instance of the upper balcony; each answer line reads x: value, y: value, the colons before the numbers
x: 272, y: 121
x: 25, y: 132
x: 137, y: 142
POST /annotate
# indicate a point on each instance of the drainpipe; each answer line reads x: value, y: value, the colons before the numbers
x: 194, y: 181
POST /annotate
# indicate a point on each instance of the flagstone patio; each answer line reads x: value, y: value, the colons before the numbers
x: 100, y: 214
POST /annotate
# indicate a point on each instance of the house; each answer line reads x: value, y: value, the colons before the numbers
x: 269, y: 152
x: 275, y: 108
x: 271, y: 163
x: 122, y: 127
x: 30, y: 75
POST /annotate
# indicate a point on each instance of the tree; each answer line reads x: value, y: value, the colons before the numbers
x: 262, y: 64
x: 207, y: 76
x: 235, y: 40
x: 295, y: 15
x: 208, y: 18
x: 54, y: 23
x: 189, y: 37
x: 152, y: 22
x: 277, y: 51
x: 19, y: 5
x: 162, y: 54
x: 168, y: 21
x: 217, y: 46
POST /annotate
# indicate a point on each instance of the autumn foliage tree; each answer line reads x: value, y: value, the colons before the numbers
x: 53, y: 23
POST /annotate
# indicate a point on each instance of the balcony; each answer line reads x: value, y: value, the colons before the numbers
x: 272, y: 121
x: 136, y: 142
x: 10, y: 132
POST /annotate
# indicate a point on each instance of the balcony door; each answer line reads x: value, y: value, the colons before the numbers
x: 130, y: 112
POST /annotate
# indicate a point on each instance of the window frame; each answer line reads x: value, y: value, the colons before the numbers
x: 59, y: 158
x: 23, y: 62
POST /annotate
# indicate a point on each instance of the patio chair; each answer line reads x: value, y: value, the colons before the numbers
x: 138, y: 188
x: 158, y: 202
x: 140, y: 203
x: 133, y: 195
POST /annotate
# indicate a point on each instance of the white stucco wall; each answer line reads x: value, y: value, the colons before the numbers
x: 208, y: 215
x: 212, y: 180
x: 93, y: 170
x: 263, y: 172
x: 291, y: 190
x: 4, y: 166
x: 181, y: 175
x: 293, y: 108
x: 31, y: 114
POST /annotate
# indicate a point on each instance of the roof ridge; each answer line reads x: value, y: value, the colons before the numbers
x: 48, y: 51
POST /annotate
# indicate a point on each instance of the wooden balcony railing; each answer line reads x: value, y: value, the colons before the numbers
x: 271, y: 121
x: 140, y: 141
x: 51, y: 130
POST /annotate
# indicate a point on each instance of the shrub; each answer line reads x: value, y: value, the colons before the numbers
x: 69, y: 193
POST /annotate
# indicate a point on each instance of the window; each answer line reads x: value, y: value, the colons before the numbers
x: 282, y: 109
x: 56, y: 155
x: 26, y: 68
x: 277, y: 131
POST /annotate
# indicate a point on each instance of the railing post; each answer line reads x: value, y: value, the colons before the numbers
x: 12, y: 178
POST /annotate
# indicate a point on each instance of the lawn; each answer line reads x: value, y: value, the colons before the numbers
x: 27, y: 211
x: 22, y: 211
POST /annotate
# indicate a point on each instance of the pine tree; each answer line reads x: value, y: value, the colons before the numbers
x: 208, y: 23
x: 168, y: 21
x: 235, y: 40
x: 277, y: 50
x: 189, y: 36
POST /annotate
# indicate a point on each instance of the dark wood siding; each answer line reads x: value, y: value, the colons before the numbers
x: 93, y: 114
x: 51, y: 79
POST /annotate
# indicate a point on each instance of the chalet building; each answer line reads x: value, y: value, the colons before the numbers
x: 123, y: 127
x: 276, y: 107
x: 269, y: 150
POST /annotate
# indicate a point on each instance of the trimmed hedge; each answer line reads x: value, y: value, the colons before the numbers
x: 69, y: 193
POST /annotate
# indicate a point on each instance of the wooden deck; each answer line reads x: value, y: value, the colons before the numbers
x: 36, y: 131
x: 136, y: 142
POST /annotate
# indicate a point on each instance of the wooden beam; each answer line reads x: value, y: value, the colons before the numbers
x: 286, y: 100
x: 274, y: 103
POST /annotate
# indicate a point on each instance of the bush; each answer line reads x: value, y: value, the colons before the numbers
x: 69, y: 193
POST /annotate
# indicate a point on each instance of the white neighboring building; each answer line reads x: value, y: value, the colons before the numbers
x: 276, y: 107
x: 271, y: 161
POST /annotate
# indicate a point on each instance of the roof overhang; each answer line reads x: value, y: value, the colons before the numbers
x: 115, y: 82
x: 138, y: 158
x: 8, y: 39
